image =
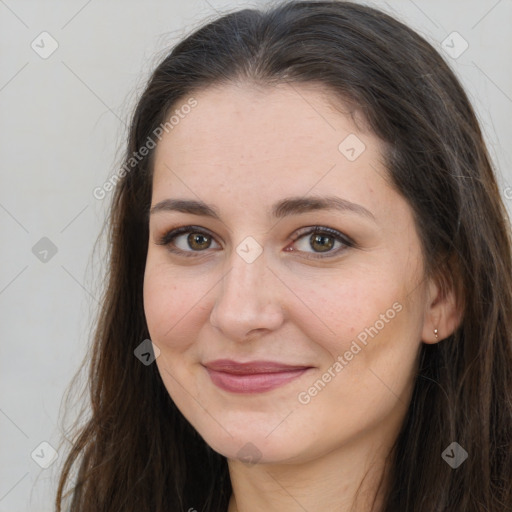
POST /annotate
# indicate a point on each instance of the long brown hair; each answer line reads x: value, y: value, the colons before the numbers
x: 136, y: 452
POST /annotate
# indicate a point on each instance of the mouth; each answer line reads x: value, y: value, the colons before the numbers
x: 254, y: 376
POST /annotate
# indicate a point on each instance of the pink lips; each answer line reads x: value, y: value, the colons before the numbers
x: 252, y: 377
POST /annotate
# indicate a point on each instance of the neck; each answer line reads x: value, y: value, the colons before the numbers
x: 343, y: 481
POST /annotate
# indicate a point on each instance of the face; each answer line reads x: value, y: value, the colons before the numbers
x: 338, y: 311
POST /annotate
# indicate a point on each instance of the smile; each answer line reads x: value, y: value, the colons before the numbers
x: 254, y: 377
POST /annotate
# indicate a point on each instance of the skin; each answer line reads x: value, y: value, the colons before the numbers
x: 242, y: 149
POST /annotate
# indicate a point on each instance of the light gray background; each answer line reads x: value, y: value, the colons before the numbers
x: 62, y: 125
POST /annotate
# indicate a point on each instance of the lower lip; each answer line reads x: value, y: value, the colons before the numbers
x: 255, y: 383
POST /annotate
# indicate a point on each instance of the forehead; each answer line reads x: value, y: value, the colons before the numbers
x: 285, y: 139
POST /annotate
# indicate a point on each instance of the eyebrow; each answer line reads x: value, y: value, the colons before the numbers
x: 283, y: 208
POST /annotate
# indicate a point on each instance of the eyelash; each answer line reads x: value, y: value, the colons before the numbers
x: 169, y: 236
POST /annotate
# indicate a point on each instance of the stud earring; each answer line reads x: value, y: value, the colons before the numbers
x: 435, y: 332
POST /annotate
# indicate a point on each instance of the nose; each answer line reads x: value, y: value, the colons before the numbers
x: 248, y: 300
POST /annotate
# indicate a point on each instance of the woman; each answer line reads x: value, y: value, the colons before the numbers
x: 309, y: 231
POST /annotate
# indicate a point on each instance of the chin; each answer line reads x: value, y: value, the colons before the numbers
x: 257, y: 451
x: 252, y: 446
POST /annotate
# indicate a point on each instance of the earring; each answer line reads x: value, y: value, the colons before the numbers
x: 435, y: 332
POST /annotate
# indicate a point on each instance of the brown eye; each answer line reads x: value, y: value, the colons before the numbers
x: 192, y: 241
x: 322, y: 240
x: 199, y: 241
x: 187, y: 241
x: 322, y: 243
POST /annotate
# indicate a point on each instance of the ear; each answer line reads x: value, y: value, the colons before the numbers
x: 441, y: 311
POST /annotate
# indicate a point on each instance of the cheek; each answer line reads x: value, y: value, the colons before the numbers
x: 340, y: 311
x: 371, y: 343
x: 370, y: 360
x: 171, y: 307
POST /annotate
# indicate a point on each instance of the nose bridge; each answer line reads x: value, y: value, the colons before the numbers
x: 247, y: 263
x: 246, y: 277
x: 246, y: 299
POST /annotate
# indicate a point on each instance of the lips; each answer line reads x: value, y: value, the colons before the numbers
x: 253, y: 376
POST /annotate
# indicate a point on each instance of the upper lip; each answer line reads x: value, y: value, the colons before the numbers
x: 229, y: 366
